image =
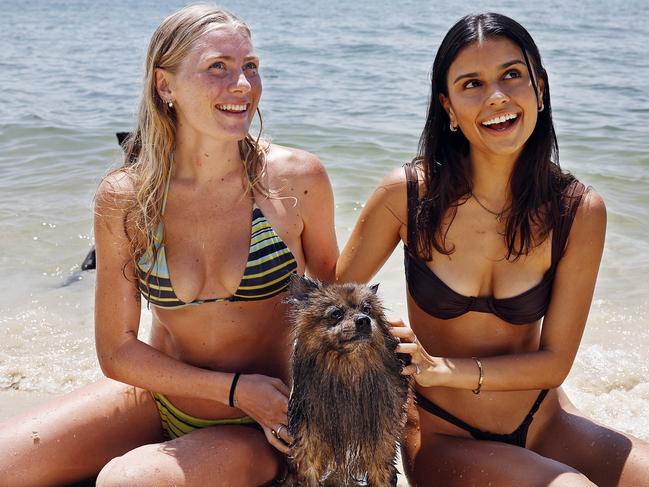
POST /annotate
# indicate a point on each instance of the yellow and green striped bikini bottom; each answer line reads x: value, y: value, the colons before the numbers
x: 176, y: 423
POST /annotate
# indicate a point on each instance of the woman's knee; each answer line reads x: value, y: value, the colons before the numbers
x: 146, y: 465
x: 570, y: 479
x: 108, y: 475
x: 235, y: 458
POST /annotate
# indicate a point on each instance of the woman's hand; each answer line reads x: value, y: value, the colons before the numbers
x: 265, y: 399
x: 424, y: 368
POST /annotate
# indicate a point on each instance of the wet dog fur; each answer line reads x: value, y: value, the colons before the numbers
x: 347, y: 408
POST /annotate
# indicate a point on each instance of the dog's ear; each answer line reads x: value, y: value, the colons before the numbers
x: 375, y: 287
x: 300, y: 288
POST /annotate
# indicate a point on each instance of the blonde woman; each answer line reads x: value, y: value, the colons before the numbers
x: 207, y: 224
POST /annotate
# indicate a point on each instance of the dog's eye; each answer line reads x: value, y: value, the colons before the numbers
x: 336, y: 313
x: 366, y: 308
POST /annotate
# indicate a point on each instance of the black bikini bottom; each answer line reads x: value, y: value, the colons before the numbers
x: 516, y: 437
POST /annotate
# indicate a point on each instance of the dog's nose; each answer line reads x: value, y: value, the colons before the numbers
x: 363, y: 323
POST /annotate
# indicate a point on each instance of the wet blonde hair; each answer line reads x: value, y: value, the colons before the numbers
x: 150, y: 149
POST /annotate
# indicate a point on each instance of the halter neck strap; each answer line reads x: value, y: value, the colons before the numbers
x: 164, y: 198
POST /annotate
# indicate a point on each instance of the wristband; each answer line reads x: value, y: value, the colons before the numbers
x: 232, y: 401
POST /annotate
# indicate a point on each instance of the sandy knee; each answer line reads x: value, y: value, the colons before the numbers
x: 107, y: 474
x: 236, y: 457
x: 147, y: 465
x: 571, y: 479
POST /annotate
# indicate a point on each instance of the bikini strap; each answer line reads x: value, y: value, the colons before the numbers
x: 519, y: 435
x: 537, y: 404
x: 412, y: 181
x: 570, y: 201
x: 433, y: 408
x: 164, y: 198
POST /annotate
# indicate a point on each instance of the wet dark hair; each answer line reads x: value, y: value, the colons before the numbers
x: 537, y: 182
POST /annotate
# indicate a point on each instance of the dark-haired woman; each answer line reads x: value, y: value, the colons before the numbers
x: 502, y: 250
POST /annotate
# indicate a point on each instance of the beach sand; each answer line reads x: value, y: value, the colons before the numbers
x: 13, y: 403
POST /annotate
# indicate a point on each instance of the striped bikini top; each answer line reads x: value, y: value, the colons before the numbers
x: 268, y: 269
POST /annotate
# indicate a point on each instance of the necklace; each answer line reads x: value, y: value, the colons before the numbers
x: 498, y: 214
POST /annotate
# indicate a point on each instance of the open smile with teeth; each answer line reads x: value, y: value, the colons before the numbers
x: 501, y: 122
x: 233, y: 108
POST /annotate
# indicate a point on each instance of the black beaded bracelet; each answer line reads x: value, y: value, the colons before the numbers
x: 232, y: 388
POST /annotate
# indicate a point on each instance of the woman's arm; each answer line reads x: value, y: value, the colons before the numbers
x: 378, y: 230
x: 563, y: 324
x: 117, y: 314
x: 117, y: 311
x: 317, y: 211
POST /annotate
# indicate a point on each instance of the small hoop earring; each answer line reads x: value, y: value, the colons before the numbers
x: 542, y: 107
x: 452, y: 127
x: 170, y: 103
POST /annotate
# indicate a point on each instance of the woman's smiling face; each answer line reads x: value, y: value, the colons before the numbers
x: 491, y: 97
x: 217, y: 87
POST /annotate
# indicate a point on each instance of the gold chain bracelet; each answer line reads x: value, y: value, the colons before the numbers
x: 476, y: 391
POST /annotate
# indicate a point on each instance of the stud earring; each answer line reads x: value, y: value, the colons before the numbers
x: 452, y: 127
x: 170, y: 103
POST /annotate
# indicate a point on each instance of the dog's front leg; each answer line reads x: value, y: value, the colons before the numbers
x: 310, y: 468
x: 382, y: 476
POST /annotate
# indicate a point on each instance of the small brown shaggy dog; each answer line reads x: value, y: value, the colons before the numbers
x: 348, y: 405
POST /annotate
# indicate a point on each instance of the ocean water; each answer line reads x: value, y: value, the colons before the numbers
x: 346, y: 81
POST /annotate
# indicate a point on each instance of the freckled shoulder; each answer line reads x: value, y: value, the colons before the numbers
x: 289, y: 161
x: 294, y: 170
x: 113, y: 199
x: 115, y: 191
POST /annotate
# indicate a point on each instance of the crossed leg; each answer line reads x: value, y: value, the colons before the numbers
x: 117, y: 427
x: 607, y: 457
x: 564, y: 448
x: 221, y: 455
x: 450, y: 461
x: 74, y: 436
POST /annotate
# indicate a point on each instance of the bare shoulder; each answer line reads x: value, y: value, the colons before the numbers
x: 391, y: 193
x: 589, y: 226
x: 114, y: 193
x: 592, y: 203
x: 591, y: 213
x: 394, y: 183
x: 296, y: 172
x: 285, y: 161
